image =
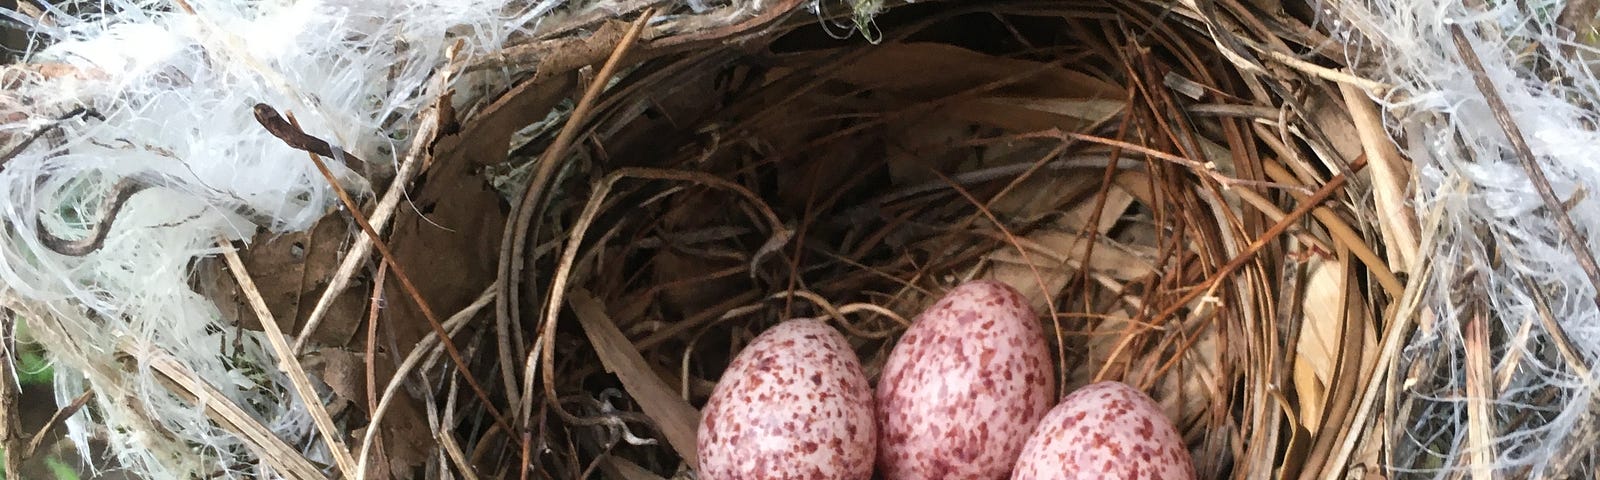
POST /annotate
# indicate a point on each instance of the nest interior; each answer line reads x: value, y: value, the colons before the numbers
x: 1177, y: 207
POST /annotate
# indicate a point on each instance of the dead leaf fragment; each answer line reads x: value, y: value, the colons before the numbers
x: 291, y: 270
x: 677, y: 419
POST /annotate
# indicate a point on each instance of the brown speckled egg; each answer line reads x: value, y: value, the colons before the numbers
x: 1105, y: 430
x: 964, y: 387
x: 793, y: 404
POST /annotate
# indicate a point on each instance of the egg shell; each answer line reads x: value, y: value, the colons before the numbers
x: 1105, y: 430
x: 964, y: 387
x: 793, y: 404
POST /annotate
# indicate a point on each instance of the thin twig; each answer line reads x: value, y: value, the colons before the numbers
x: 514, y: 238
x: 413, y: 360
x: 1530, y: 163
x: 412, y: 292
x: 110, y: 208
x: 58, y: 418
x: 332, y: 435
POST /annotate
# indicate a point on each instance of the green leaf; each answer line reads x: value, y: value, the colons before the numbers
x: 33, y: 368
x: 60, y: 470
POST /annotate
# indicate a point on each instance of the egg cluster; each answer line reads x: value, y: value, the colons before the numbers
x: 965, y: 394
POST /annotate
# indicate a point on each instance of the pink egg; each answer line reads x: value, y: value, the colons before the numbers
x: 964, y: 387
x: 1105, y: 430
x: 794, y: 404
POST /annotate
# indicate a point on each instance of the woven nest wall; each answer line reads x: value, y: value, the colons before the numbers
x: 1184, y: 195
x: 1194, y: 197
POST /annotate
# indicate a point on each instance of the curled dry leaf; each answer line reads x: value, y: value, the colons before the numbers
x: 1317, y: 351
x: 973, y: 90
x: 1028, y: 114
x: 1391, y: 181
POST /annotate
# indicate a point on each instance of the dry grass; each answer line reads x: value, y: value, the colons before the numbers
x: 1190, y: 196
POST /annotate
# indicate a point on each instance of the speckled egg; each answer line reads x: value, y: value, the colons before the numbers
x: 793, y: 404
x: 964, y: 387
x: 1105, y: 430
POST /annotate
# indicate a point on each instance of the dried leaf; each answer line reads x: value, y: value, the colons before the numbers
x: 1318, y: 345
x: 1117, y: 202
x: 1047, y: 193
x: 1027, y: 114
x: 406, y: 444
x: 925, y: 144
x: 344, y: 372
x: 1330, y: 115
x: 1326, y: 306
x: 1391, y: 178
x: 684, y: 271
x: 1058, y: 255
x: 676, y: 419
x: 406, y: 435
x: 448, y: 244
x: 1064, y: 251
x: 291, y: 270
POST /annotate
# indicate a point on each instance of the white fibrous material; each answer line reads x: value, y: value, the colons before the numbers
x: 1496, y: 251
x: 168, y: 94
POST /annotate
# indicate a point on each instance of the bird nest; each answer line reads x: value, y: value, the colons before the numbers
x: 1185, y: 194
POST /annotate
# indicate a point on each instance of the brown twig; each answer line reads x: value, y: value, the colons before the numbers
x: 374, y: 307
x: 110, y: 207
x: 514, y: 238
x: 41, y: 131
x: 1530, y: 162
x: 58, y: 418
x: 292, y: 136
x: 10, y: 416
x: 264, y: 114
x: 1306, y: 206
x: 423, y: 356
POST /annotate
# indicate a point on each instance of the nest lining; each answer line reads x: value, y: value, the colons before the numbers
x: 1048, y: 146
x: 1176, y: 207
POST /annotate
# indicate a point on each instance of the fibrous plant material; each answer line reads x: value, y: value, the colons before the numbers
x: 107, y: 209
x: 1198, y: 199
x: 1491, y: 370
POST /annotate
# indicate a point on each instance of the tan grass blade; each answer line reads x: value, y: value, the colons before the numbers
x: 290, y: 364
x: 272, y: 450
x: 1391, y: 178
x: 677, y: 419
x: 1480, y: 391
